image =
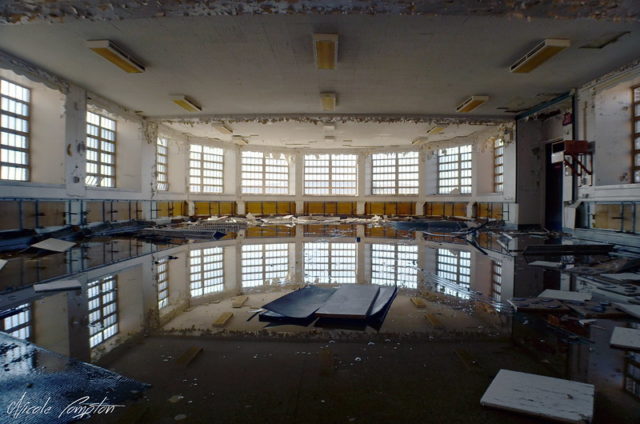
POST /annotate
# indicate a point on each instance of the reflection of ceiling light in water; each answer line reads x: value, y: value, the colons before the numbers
x: 329, y: 101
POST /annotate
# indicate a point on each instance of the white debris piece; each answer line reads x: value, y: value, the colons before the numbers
x: 546, y: 264
x: 565, y: 295
x: 2, y: 263
x: 57, y: 285
x: 624, y: 276
x: 54, y: 245
x: 625, y: 338
x: 633, y: 310
x: 548, y: 397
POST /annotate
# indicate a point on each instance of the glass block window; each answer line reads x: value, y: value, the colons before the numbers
x: 327, y: 174
x: 162, y: 164
x: 635, y: 122
x: 330, y: 262
x: 103, y: 309
x: 206, y: 166
x: 394, y: 173
x: 18, y: 323
x: 101, y: 151
x: 498, y: 165
x: 14, y: 131
x: 264, y: 173
x: 206, y: 271
x: 162, y: 279
x: 496, y: 281
x: 262, y: 262
x: 393, y: 264
x: 455, y: 266
x: 454, y: 170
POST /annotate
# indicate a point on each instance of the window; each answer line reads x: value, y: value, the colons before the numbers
x: 330, y: 174
x: 394, y: 173
x: 496, y: 281
x: 635, y: 114
x: 330, y: 262
x: 205, y: 169
x: 101, y: 151
x: 394, y: 264
x: 162, y: 278
x: 103, y: 309
x: 454, y: 170
x: 162, y: 164
x: 14, y: 131
x: 455, y: 266
x: 498, y: 165
x: 206, y: 271
x: 262, y: 262
x: 264, y: 174
x: 18, y: 323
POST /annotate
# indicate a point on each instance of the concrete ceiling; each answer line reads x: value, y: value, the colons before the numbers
x: 293, y: 134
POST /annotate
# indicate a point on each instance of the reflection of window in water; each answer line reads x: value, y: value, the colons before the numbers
x: 632, y: 369
x: 454, y: 265
x: 262, y: 262
x: 330, y: 262
x: 162, y: 278
x: 103, y: 309
x: 394, y: 264
x: 206, y: 271
x: 18, y: 323
x: 496, y: 281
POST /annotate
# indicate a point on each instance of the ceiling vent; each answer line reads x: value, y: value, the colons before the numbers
x: 471, y: 103
x: 544, y: 51
x: 116, y: 55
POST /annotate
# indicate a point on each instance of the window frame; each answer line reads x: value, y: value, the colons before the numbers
x: 100, y: 151
x: 263, y: 261
x: 396, y: 173
x: 459, y: 169
x: 198, y: 284
x: 162, y: 281
x: 100, y: 308
x: 26, y: 135
x: 332, y: 157
x: 202, y: 168
x: 337, y: 268
x: 263, y: 173
x: 164, y: 155
x: 394, y: 262
x: 453, y: 260
x: 635, y: 134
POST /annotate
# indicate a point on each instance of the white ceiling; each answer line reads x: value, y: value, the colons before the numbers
x: 293, y: 134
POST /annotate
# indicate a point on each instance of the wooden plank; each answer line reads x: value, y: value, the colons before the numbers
x: 285, y: 208
x: 314, y: 207
x: 51, y: 214
x: 376, y: 208
x: 227, y: 208
x: 269, y: 208
x: 189, y: 355
x: 460, y: 209
x: 390, y: 208
x: 222, y: 319
x: 565, y: 295
x: 238, y: 301
x: 350, y: 301
x: 94, y: 212
x: 418, y: 303
x: 29, y: 214
x: 10, y: 212
x: 406, y: 208
x: 345, y: 208
x: 537, y: 395
x: 625, y: 338
x: 178, y: 209
x: 330, y: 208
x: 202, y: 208
x: 433, y: 320
x: 633, y: 310
x: 254, y: 208
x: 162, y: 209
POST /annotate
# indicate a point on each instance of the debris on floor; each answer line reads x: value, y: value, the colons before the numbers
x: 565, y: 295
x: 625, y: 338
x: 54, y: 245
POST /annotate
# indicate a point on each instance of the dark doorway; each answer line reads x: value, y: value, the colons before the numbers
x: 553, y: 191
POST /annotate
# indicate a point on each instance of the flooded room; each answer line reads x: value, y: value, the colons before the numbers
x: 344, y: 211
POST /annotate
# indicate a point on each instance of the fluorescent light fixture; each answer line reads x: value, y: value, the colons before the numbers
x: 329, y: 138
x: 325, y: 50
x: 239, y: 140
x: 186, y: 103
x: 116, y: 55
x: 435, y: 130
x: 471, y: 103
x: 329, y: 127
x: 605, y: 40
x: 542, y: 52
x: 328, y: 101
x: 222, y: 127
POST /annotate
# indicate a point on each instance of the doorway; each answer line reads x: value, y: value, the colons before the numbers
x: 553, y: 191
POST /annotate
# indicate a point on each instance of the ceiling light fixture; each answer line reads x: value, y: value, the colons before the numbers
x: 471, y: 103
x: 542, y: 52
x: 223, y: 128
x: 435, y: 130
x: 186, y: 103
x: 116, y: 55
x: 325, y: 50
x: 329, y: 101
x: 329, y: 138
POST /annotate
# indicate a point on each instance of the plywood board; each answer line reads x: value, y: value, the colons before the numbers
x: 301, y: 303
x: 346, y: 208
x: 237, y: 302
x: 222, y: 319
x: 633, y: 310
x: 418, y: 303
x: 10, y: 212
x: 623, y: 276
x: 189, y: 355
x: 162, y: 209
x: 51, y: 214
x: 537, y: 395
x: 565, y: 295
x: 94, y: 212
x: 625, y: 338
x: 57, y: 285
x: 350, y: 302
x: 54, y: 245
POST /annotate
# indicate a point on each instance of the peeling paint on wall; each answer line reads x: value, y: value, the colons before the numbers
x: 55, y: 11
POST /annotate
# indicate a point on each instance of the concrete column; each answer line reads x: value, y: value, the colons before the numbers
x: 298, y: 167
x: 361, y: 271
x: 299, y: 255
x: 75, y: 141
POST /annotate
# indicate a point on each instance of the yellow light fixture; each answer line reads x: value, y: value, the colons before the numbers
x: 328, y: 101
x: 116, y: 55
x: 542, y: 52
x: 471, y: 103
x: 223, y: 128
x: 186, y: 103
x: 435, y: 130
x: 325, y: 50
